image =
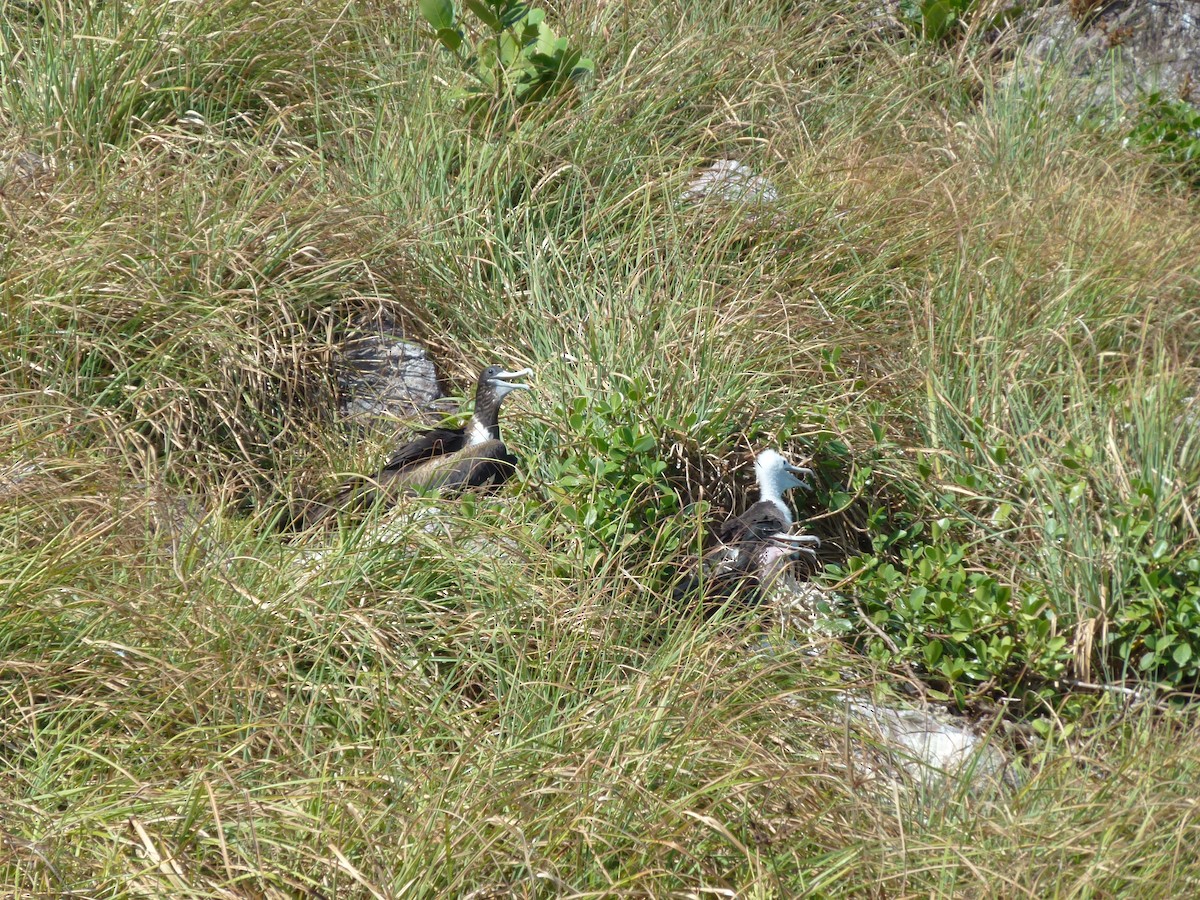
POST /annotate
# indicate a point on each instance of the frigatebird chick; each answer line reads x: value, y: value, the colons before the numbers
x: 770, y: 519
x: 756, y: 544
x: 447, y: 460
x: 751, y: 569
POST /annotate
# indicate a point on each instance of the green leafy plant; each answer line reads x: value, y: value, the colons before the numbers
x: 1154, y: 623
x: 511, y: 56
x: 928, y: 607
x: 939, y: 20
x: 1158, y: 627
x: 610, y: 484
x: 1171, y: 129
x: 935, y: 20
x: 1144, y: 569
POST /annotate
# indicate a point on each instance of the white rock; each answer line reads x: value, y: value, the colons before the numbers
x: 926, y: 746
x: 729, y: 181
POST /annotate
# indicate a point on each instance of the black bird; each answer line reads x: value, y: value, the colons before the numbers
x: 756, y: 546
x: 446, y: 460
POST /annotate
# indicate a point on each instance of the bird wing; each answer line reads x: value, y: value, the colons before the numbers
x: 717, y: 571
x: 426, y: 445
x: 483, y: 466
x: 759, y: 522
x: 734, y: 552
x: 361, y: 492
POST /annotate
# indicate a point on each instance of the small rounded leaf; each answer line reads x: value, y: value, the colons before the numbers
x: 451, y: 38
x: 1182, y: 654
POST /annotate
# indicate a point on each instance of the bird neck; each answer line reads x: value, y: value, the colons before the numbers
x: 484, y: 424
x: 479, y: 433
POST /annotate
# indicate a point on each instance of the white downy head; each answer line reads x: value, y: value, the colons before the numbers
x: 776, y: 475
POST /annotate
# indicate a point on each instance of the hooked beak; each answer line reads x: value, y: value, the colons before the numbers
x: 802, y: 473
x: 501, y: 381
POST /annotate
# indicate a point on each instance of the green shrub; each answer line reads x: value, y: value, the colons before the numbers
x: 513, y: 59
x: 963, y: 627
x: 935, y: 607
x: 935, y: 20
x: 1171, y: 129
x: 610, y: 483
x: 1154, y: 628
x: 939, y: 20
x: 1158, y: 627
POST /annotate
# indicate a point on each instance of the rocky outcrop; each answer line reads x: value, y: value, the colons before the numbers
x: 926, y: 747
x: 383, y: 375
x: 729, y: 181
x: 1148, y: 45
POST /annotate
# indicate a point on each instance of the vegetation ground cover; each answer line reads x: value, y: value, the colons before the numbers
x: 971, y: 308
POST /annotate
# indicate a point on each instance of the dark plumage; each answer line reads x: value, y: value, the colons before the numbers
x: 750, y: 570
x: 487, y: 464
x: 445, y: 460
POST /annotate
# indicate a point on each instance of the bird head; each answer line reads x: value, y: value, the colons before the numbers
x: 776, y: 474
x: 500, y: 382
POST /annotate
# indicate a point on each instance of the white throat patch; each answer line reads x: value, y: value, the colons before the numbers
x: 477, y: 432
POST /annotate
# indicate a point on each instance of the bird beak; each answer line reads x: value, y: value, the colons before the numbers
x: 803, y: 473
x: 503, y: 387
x: 520, y: 373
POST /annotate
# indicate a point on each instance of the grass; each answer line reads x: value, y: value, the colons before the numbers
x: 968, y: 305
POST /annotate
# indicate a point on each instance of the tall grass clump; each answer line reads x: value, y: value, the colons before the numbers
x: 185, y: 293
x: 90, y: 76
x: 171, y: 253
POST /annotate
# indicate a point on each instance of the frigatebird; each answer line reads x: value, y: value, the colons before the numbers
x: 445, y: 460
x: 757, y: 544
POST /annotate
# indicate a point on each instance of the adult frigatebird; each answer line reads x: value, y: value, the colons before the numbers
x: 446, y: 460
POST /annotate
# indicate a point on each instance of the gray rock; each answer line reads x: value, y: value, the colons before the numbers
x: 729, y: 181
x: 182, y: 523
x: 381, y: 374
x: 17, y: 474
x: 881, y: 17
x: 1150, y: 45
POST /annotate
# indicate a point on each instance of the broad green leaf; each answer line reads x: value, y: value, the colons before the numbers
x: 545, y: 41
x: 451, y: 38
x: 916, y: 599
x: 507, y: 49
x: 644, y: 443
x: 933, y: 653
x: 513, y: 13
x: 438, y: 13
